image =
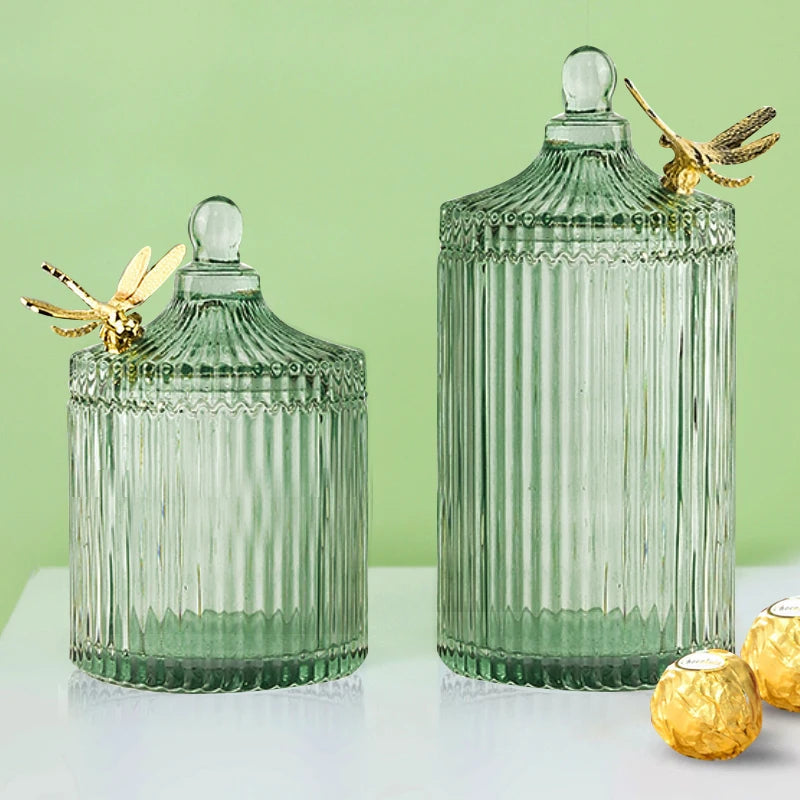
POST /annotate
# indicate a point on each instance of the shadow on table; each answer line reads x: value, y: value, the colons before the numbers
x: 203, y: 745
x: 339, y: 702
x: 608, y: 734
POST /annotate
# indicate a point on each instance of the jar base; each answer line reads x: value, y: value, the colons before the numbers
x: 598, y: 673
x: 164, y: 673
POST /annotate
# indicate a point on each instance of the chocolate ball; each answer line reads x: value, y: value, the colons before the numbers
x: 706, y: 705
x: 772, y: 649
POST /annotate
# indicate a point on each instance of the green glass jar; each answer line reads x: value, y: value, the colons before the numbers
x: 586, y: 412
x: 218, y: 490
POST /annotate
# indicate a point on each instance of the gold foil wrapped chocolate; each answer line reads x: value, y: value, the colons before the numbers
x: 706, y: 705
x: 772, y: 649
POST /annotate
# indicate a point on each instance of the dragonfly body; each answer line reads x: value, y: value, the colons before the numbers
x: 120, y: 326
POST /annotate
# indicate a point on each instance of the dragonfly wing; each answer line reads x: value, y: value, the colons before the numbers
x: 738, y: 155
x: 668, y: 132
x: 744, y: 128
x: 155, y: 277
x: 72, y: 285
x: 49, y: 310
x: 133, y: 274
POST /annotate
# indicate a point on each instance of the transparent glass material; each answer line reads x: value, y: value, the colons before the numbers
x: 586, y: 413
x: 218, y: 491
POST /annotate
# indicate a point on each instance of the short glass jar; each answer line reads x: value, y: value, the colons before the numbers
x: 218, y: 490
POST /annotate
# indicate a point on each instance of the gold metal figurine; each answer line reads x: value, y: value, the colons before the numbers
x: 693, y: 159
x: 120, y: 328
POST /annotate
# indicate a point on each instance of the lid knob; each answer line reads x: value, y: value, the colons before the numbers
x: 215, y: 228
x: 588, y: 81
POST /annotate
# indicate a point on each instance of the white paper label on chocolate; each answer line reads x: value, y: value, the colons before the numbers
x: 790, y: 607
x: 702, y: 660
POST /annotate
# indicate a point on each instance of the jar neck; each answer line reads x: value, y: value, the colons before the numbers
x: 216, y: 279
x: 588, y: 129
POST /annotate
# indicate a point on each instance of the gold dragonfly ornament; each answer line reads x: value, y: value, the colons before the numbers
x: 692, y: 160
x: 120, y: 327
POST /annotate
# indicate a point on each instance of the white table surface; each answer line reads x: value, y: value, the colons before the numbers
x: 402, y: 726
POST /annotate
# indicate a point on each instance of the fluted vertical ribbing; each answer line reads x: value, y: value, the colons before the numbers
x: 586, y: 408
x: 218, y: 504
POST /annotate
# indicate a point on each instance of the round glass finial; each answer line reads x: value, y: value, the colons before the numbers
x: 215, y: 228
x: 588, y: 81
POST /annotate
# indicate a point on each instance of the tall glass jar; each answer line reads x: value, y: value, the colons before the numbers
x: 586, y: 412
x: 218, y: 490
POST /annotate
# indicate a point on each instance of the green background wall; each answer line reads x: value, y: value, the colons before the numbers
x: 339, y: 128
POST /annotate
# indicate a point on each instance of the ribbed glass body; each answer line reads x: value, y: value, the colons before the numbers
x: 586, y: 419
x: 218, y: 497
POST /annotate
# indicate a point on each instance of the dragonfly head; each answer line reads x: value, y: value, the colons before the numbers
x: 120, y: 330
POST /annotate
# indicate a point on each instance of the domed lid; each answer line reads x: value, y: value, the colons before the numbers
x: 587, y: 188
x: 217, y: 343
